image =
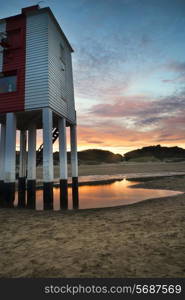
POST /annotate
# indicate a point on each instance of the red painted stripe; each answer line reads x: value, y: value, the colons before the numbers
x: 14, y: 60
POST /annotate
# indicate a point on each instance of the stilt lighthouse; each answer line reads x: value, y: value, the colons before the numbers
x: 36, y: 92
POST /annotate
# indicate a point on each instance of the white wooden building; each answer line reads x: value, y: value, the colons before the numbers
x: 36, y: 92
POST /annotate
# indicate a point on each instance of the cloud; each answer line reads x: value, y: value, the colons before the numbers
x: 151, y: 120
x: 114, y: 135
x: 176, y: 66
x: 98, y: 69
x: 94, y: 142
x: 111, y: 62
x: 145, y: 40
x: 135, y: 121
x: 140, y: 107
x: 179, y: 79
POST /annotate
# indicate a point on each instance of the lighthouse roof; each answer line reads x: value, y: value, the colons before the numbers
x: 35, y: 9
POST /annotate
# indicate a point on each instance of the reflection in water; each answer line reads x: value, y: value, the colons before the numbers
x: 104, y: 195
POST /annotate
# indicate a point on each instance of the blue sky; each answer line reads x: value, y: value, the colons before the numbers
x: 129, y: 69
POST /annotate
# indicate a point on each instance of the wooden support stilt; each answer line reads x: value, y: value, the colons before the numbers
x: 10, y: 159
x: 31, y: 174
x: 63, y: 163
x: 22, y: 170
x: 74, y: 165
x: 47, y: 118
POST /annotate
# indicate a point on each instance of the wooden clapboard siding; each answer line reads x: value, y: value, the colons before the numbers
x: 61, y: 97
x: 36, y: 84
x: 2, y: 29
x: 14, y: 61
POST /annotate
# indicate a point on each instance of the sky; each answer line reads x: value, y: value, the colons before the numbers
x: 129, y: 69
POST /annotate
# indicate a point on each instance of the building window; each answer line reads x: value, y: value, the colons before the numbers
x: 8, y: 84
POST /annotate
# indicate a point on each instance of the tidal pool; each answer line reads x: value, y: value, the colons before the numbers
x: 119, y: 192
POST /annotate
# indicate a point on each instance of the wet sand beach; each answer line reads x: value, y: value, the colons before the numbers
x: 146, y: 239
x: 123, y: 168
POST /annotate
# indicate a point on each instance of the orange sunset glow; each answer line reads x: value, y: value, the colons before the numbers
x: 129, y: 72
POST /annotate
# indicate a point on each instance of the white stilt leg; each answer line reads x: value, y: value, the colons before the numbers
x: 63, y: 163
x: 10, y: 152
x: 32, y: 152
x: 2, y: 151
x: 31, y: 176
x: 22, y: 170
x: 48, y: 145
x: 23, y: 154
x: 47, y: 116
x: 74, y: 165
x: 74, y: 156
x: 10, y: 160
x: 62, y: 148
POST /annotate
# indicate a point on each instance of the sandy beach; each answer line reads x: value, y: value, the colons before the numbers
x: 146, y: 239
x: 122, y: 168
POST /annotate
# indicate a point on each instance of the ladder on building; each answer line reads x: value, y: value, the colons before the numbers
x: 55, y: 134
